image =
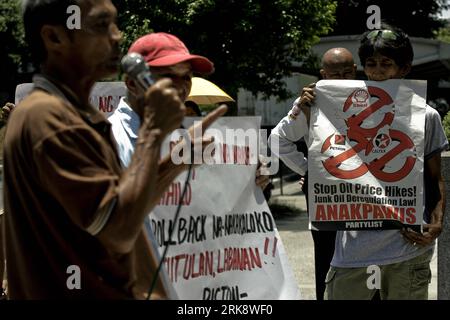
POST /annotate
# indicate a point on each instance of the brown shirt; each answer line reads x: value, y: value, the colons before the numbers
x: 61, y: 174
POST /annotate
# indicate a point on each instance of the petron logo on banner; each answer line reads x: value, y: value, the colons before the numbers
x: 366, y: 154
x: 375, y: 139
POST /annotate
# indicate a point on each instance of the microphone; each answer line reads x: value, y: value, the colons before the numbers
x: 134, y: 65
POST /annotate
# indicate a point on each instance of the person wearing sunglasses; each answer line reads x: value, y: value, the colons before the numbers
x: 403, y: 256
x: 337, y: 63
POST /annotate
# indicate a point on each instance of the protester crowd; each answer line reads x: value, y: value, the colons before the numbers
x: 78, y: 187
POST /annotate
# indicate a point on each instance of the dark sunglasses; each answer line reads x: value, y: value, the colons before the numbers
x: 384, y: 34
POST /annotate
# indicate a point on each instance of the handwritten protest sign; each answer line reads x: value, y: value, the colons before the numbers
x: 367, y: 154
x: 104, y: 95
x: 225, y: 244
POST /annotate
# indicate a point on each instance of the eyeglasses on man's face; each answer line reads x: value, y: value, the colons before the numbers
x: 384, y: 34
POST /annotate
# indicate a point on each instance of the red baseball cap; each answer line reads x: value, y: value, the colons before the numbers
x: 162, y: 49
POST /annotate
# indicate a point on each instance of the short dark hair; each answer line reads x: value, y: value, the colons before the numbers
x: 394, y: 44
x: 37, y: 13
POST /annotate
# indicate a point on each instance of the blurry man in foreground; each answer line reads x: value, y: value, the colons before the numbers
x: 74, y: 218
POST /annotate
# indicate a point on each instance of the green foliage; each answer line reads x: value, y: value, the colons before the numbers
x: 252, y: 43
x: 418, y: 18
x: 11, y: 31
x: 13, y: 50
x: 446, y: 125
x: 443, y: 34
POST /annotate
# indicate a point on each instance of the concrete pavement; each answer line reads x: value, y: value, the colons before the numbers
x: 292, y: 225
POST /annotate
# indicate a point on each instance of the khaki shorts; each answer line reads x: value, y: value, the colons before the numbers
x: 407, y: 280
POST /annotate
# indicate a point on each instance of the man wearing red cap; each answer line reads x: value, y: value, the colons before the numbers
x: 167, y: 57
